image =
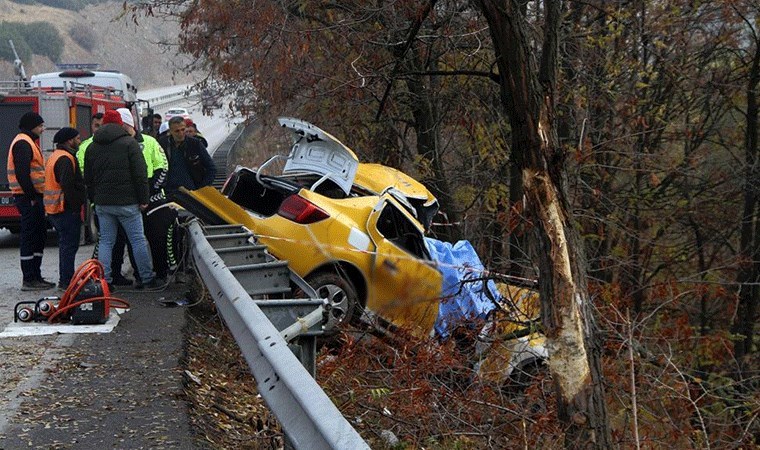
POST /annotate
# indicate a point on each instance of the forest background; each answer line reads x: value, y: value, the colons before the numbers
x: 634, y: 121
x: 609, y: 148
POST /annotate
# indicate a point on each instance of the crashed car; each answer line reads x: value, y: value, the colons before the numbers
x: 359, y: 246
x: 355, y: 232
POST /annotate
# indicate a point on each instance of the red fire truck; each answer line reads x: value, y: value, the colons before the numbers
x: 69, y: 105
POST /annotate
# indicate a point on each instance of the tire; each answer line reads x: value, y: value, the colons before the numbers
x: 341, y: 296
x: 14, y: 229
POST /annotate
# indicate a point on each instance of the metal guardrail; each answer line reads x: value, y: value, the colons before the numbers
x: 308, y: 417
x: 171, y: 96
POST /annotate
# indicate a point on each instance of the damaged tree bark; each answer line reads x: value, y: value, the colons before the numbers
x: 566, y: 310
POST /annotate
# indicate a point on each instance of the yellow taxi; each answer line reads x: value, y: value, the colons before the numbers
x: 354, y: 232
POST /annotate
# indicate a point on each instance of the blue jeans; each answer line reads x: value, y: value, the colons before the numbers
x: 130, y: 218
x: 68, y: 226
x: 33, y: 234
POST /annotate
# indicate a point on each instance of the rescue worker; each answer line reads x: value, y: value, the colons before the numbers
x: 26, y: 177
x: 89, y: 233
x: 118, y: 257
x: 65, y: 195
x: 96, y: 122
x: 116, y: 178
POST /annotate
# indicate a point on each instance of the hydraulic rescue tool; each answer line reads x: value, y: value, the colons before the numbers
x: 87, y: 300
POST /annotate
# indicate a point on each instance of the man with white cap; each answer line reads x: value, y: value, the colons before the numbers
x: 157, y: 225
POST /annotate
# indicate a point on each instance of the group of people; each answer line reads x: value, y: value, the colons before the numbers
x: 127, y: 175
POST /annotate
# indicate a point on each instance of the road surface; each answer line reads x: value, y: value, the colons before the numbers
x: 27, y: 362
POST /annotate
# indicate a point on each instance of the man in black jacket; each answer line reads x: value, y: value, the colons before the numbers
x: 26, y: 177
x: 65, y: 195
x: 189, y: 163
x: 117, y: 183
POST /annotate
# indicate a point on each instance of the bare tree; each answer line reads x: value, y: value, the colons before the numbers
x: 565, y: 301
x: 748, y: 276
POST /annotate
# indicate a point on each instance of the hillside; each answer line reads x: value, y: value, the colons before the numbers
x: 116, y: 42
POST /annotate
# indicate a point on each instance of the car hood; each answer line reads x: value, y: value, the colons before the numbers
x: 315, y: 151
x: 379, y: 178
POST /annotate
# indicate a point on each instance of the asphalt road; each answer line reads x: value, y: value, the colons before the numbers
x: 121, y: 389
x: 214, y: 128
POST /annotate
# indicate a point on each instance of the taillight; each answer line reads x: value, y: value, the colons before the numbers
x: 300, y: 210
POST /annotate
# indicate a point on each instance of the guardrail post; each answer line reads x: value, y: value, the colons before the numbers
x: 308, y: 417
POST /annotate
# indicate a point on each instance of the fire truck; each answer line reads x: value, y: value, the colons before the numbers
x: 62, y: 104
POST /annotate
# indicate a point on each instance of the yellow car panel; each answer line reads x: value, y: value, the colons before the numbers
x: 400, y: 286
x: 410, y: 291
x: 513, y: 338
x: 377, y: 178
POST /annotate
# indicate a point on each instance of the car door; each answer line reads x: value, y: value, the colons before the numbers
x: 405, y: 286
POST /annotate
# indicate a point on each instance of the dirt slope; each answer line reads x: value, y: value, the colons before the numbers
x: 120, y: 44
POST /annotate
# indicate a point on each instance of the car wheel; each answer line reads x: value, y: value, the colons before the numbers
x: 340, y: 294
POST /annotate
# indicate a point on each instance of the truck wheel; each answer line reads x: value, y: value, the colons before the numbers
x: 14, y: 229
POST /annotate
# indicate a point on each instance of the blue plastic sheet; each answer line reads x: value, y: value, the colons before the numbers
x: 461, y: 302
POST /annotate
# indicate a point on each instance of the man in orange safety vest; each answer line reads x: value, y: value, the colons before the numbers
x: 65, y: 195
x: 26, y: 177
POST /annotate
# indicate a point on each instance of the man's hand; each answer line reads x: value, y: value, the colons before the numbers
x: 144, y: 206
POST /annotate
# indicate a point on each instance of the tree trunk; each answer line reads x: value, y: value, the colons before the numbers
x: 426, y: 123
x: 574, y: 353
x: 749, y: 247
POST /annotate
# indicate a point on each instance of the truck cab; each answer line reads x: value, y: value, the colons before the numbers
x: 113, y: 80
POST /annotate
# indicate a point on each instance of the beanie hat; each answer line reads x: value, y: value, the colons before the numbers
x: 164, y: 126
x: 64, y: 134
x: 189, y: 122
x: 112, y: 116
x: 126, y: 117
x: 30, y: 120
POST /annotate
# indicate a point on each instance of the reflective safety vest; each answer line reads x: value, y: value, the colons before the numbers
x: 80, y: 153
x: 154, y: 155
x: 53, y: 197
x: 36, y: 168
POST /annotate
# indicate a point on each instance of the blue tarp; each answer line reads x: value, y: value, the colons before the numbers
x: 461, y: 302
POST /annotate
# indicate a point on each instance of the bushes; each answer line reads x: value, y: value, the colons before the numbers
x: 83, y: 35
x: 39, y: 38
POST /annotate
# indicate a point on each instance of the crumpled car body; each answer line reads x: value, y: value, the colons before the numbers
x: 506, y: 315
x: 510, y: 342
x: 317, y: 156
x: 359, y: 243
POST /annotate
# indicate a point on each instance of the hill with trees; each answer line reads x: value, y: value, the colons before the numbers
x: 88, y: 31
